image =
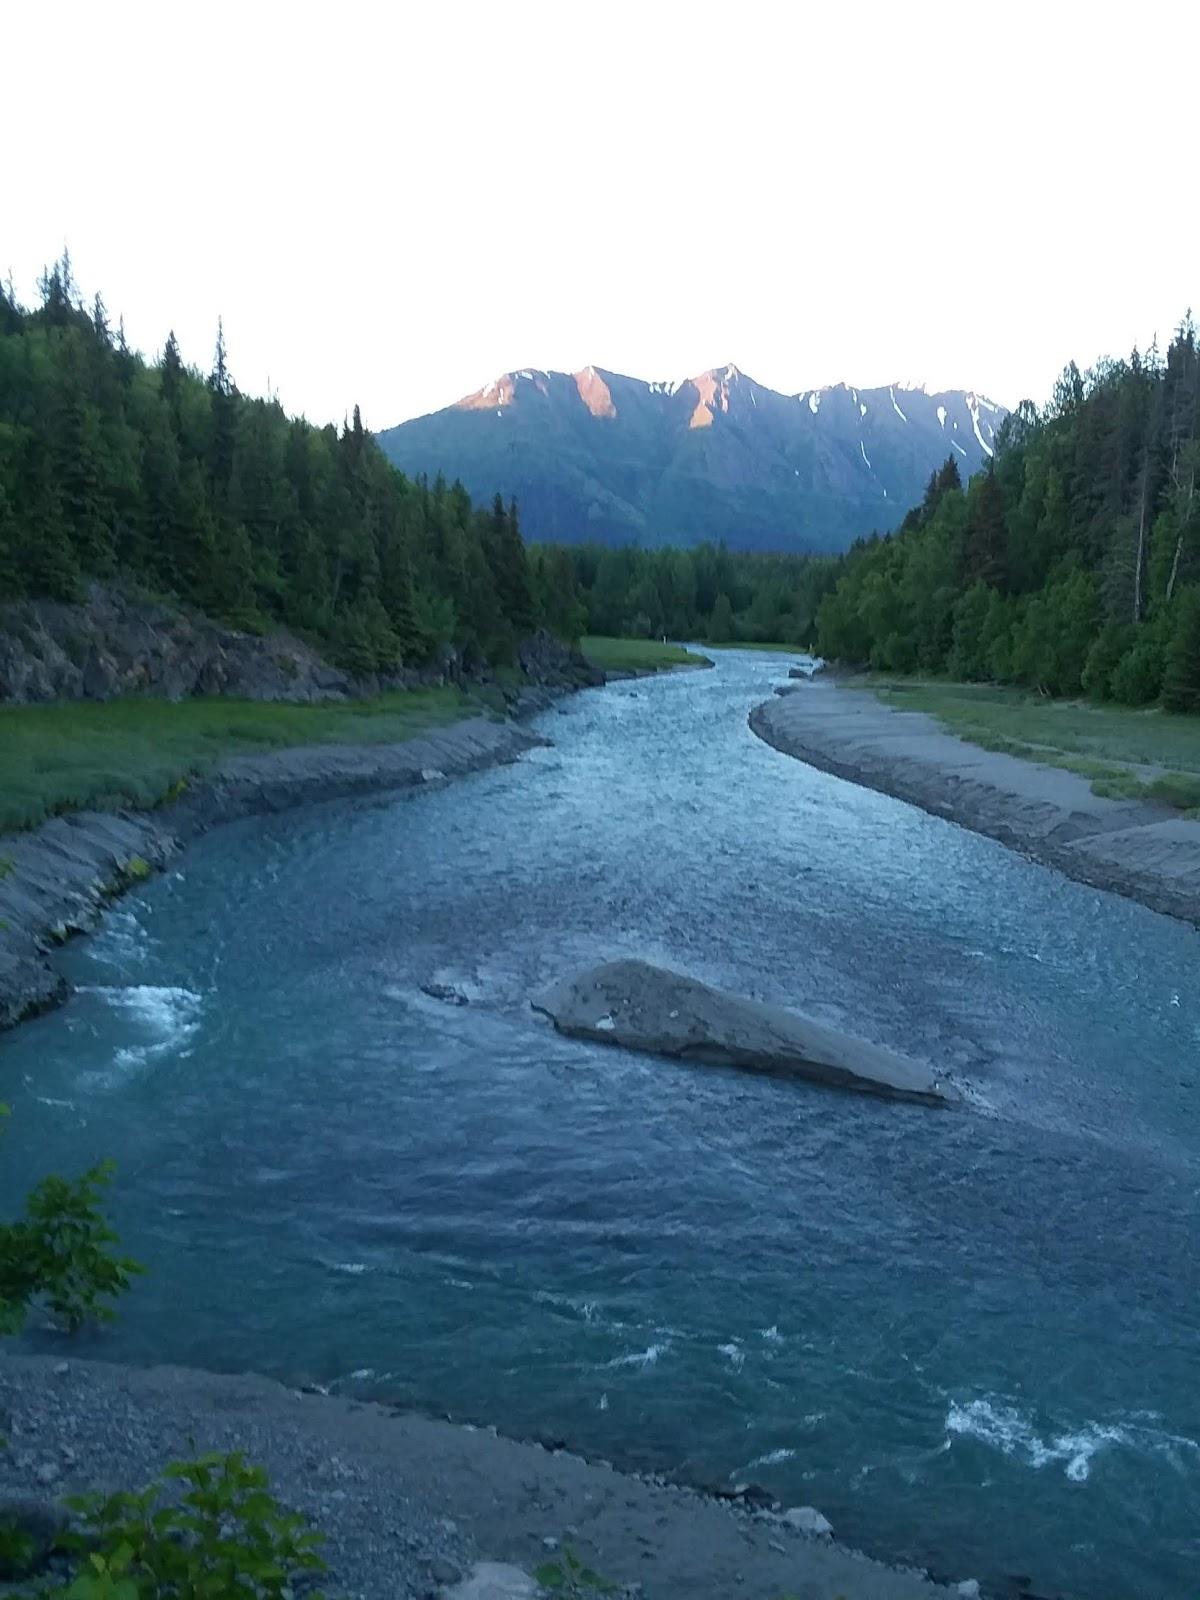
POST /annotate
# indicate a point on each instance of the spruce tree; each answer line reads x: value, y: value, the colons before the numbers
x: 170, y: 379
x: 1181, y: 676
x: 223, y: 422
x: 985, y: 543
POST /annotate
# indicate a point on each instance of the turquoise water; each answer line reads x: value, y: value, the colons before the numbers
x: 971, y: 1339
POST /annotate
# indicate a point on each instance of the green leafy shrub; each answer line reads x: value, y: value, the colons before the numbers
x: 61, y: 1252
x: 568, y: 1576
x: 1137, y: 677
x: 208, y: 1529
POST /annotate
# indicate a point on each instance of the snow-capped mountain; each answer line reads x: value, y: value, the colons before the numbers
x: 593, y: 455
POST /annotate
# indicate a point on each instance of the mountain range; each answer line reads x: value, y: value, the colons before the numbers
x: 595, y: 456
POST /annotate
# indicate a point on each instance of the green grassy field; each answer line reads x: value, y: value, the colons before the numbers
x: 1126, y: 753
x: 637, y: 655
x: 65, y: 757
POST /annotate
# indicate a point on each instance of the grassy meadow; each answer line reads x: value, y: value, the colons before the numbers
x: 1127, y: 754
x: 637, y: 655
x: 141, y: 752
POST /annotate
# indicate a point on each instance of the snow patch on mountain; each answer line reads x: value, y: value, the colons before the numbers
x: 973, y: 408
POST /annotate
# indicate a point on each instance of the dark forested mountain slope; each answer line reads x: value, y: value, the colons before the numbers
x: 110, y: 466
x: 592, y: 456
x: 1072, y: 562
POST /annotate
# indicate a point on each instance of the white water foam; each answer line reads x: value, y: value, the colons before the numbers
x: 1002, y: 1426
x: 772, y: 1334
x: 169, y: 1015
x: 734, y: 1354
x: 640, y: 1358
x: 773, y: 1458
x: 121, y: 939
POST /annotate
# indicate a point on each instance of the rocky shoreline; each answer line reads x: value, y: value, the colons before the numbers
x: 1145, y: 852
x: 58, y: 878
x: 414, y: 1508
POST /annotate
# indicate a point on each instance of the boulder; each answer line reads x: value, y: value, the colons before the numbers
x: 493, y: 1580
x: 807, y: 1519
x: 643, y: 1007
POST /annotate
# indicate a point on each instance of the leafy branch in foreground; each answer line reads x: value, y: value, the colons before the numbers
x: 224, y: 1536
x: 61, y: 1251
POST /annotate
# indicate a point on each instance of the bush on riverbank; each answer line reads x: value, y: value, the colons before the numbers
x: 205, y: 1528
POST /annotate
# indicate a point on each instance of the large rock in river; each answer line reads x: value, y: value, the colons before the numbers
x: 647, y: 1008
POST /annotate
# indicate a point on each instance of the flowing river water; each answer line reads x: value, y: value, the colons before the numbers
x: 971, y: 1338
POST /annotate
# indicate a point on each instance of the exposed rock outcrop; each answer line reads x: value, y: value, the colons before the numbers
x: 643, y: 1007
x: 115, y: 643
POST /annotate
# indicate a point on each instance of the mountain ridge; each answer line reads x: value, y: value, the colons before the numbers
x: 600, y: 456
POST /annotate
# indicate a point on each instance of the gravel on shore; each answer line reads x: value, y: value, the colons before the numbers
x: 1145, y: 852
x: 409, y: 1505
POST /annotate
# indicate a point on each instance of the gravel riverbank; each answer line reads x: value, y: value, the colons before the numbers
x: 56, y: 880
x: 1145, y: 852
x: 409, y: 1505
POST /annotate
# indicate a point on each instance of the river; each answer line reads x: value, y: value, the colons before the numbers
x: 971, y: 1338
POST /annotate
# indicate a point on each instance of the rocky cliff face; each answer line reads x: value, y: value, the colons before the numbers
x: 116, y: 644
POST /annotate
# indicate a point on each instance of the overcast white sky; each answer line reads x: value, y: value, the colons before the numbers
x: 394, y: 203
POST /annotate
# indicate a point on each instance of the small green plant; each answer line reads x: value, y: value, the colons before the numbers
x: 208, y: 1529
x: 137, y: 869
x: 568, y: 1576
x: 61, y: 1252
x: 7, y: 865
x: 18, y: 1550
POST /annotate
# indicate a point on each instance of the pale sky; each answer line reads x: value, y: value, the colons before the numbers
x: 394, y: 203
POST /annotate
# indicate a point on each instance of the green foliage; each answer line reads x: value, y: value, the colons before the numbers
x: 61, y: 1253
x: 1179, y: 789
x: 1066, y: 564
x: 18, y: 1551
x: 175, y: 478
x: 137, y: 869
x: 6, y: 866
x: 1181, y: 666
x: 1137, y: 677
x: 706, y: 592
x: 569, y: 1577
x: 209, y: 1529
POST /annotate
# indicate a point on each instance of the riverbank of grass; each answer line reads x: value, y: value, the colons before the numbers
x: 777, y: 647
x: 638, y: 655
x: 1127, y: 754
x: 80, y: 754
